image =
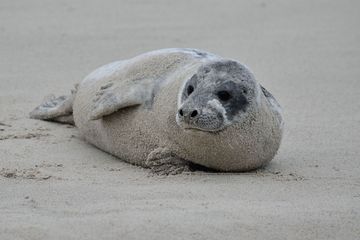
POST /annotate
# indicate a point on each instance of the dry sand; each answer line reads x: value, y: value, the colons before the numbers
x: 53, y: 185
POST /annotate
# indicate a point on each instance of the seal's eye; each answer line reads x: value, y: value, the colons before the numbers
x: 224, y: 95
x: 190, y: 89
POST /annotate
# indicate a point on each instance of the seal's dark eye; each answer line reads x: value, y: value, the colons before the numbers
x: 224, y: 95
x: 190, y: 89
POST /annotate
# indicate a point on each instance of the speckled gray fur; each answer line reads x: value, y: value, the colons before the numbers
x: 211, y: 79
x: 198, y: 106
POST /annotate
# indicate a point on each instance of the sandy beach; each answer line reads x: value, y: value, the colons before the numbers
x: 53, y: 185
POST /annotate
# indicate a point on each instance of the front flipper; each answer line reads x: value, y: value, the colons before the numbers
x: 162, y: 162
x: 112, y: 97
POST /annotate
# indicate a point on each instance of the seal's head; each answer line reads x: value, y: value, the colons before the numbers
x: 220, y: 94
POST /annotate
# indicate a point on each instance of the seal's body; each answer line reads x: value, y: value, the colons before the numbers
x: 164, y: 108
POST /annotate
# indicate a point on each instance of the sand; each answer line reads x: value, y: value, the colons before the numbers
x: 53, y: 185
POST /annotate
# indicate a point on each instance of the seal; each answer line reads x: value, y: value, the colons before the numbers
x: 168, y: 108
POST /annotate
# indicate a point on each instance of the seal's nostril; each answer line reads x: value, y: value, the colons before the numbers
x: 194, y: 113
x: 181, y: 112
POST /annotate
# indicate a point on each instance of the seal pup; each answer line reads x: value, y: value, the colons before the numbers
x: 167, y: 108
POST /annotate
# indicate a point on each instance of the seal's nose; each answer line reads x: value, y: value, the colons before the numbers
x: 194, y: 114
x: 188, y: 114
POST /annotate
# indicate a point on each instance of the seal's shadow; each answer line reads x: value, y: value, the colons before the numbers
x: 199, y: 168
x: 270, y: 167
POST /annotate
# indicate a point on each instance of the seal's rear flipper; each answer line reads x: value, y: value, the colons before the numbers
x: 57, y: 109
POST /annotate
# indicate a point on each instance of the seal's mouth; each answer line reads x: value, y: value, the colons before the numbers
x: 200, y: 120
x: 196, y: 129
